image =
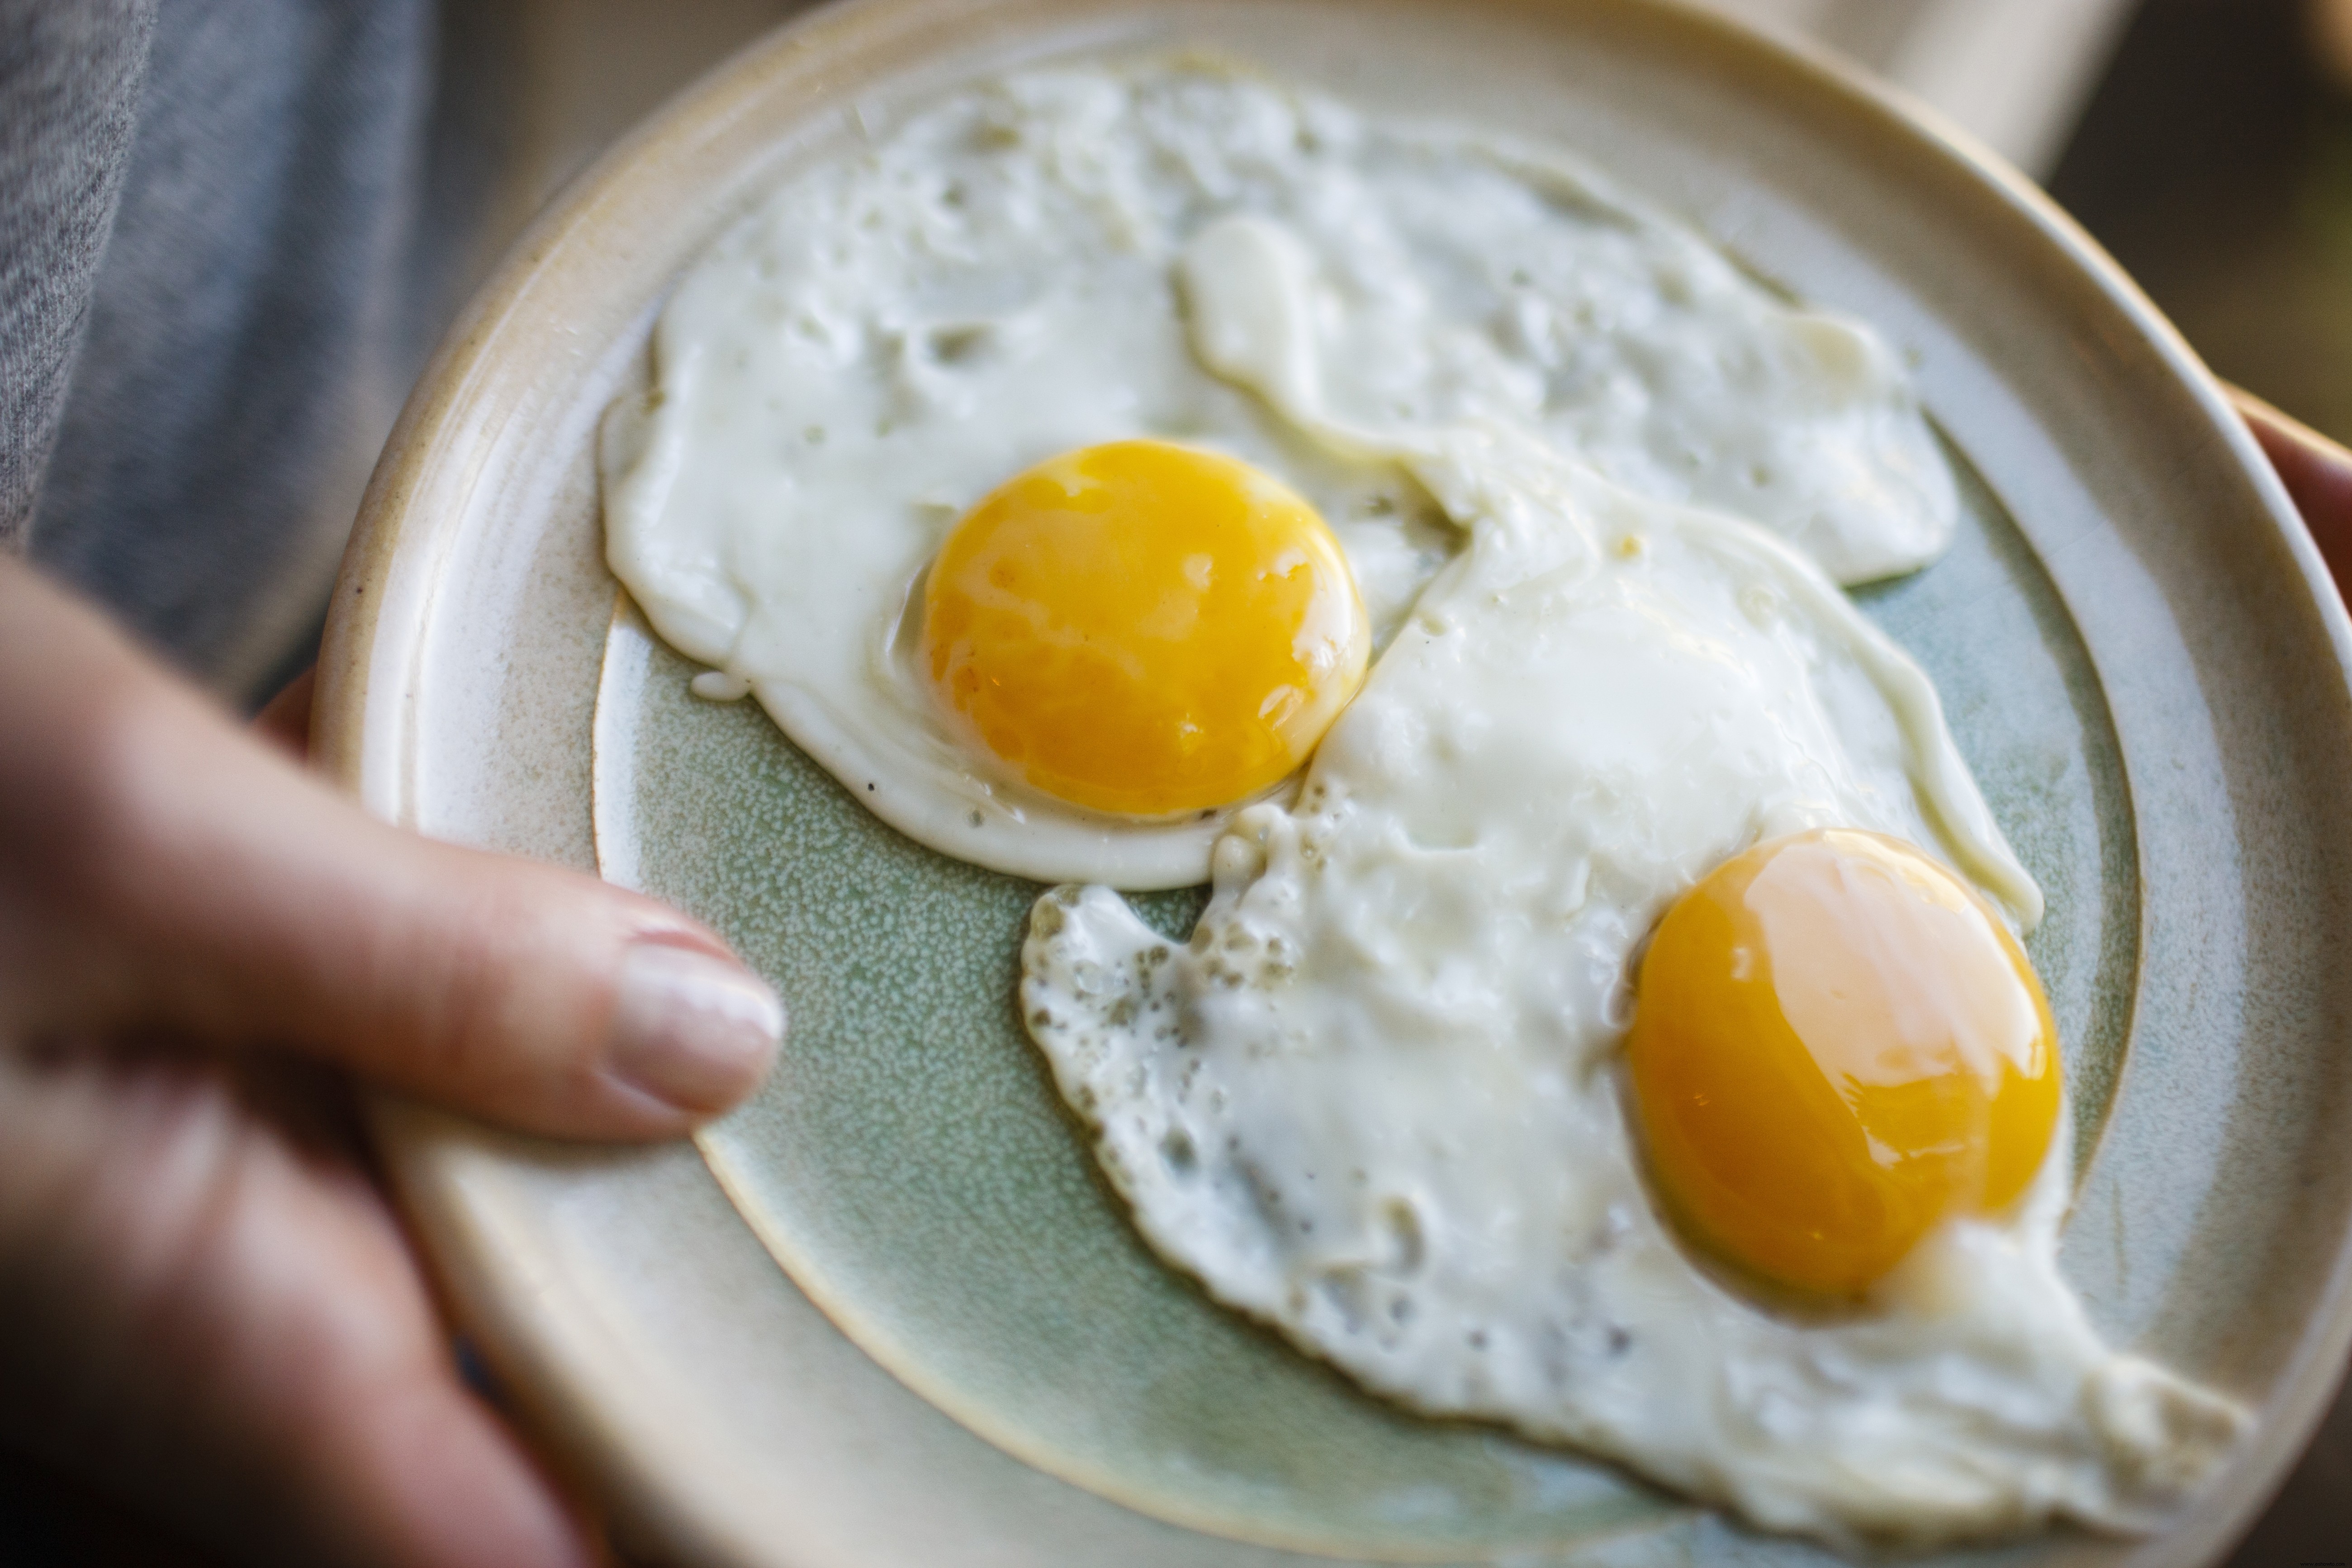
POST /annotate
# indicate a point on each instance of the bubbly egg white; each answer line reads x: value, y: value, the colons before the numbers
x: 1376, y: 1099
x: 895, y: 334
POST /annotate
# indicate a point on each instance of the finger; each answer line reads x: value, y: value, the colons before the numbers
x: 285, y: 720
x: 227, y: 1329
x: 157, y: 865
x: 2317, y: 474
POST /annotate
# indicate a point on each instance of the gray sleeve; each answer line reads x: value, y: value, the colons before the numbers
x: 70, y: 78
x: 250, y: 336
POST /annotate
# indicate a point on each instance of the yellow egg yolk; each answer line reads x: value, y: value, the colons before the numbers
x: 1836, y: 1044
x: 1144, y: 628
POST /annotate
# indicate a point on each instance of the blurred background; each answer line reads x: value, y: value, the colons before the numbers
x: 2206, y: 143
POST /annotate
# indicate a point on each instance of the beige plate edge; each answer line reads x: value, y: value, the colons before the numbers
x: 545, y: 1347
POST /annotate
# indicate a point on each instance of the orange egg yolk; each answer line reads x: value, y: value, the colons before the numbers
x: 1144, y: 628
x: 1837, y: 1045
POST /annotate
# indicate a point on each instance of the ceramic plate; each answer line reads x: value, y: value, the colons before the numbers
x: 890, y: 1312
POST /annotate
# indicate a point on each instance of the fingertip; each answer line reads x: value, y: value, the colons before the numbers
x: 691, y: 1031
x: 532, y: 995
x: 666, y: 1026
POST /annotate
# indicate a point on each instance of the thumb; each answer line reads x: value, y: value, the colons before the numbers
x: 2317, y: 474
x: 160, y: 868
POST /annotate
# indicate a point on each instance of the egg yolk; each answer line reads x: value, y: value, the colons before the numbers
x: 1144, y: 628
x: 1837, y: 1045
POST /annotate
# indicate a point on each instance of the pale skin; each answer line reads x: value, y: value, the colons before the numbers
x: 209, y: 1306
x: 210, y: 1309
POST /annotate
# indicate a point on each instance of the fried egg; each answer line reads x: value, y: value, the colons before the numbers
x: 1769, y: 1212
x: 1800, y: 1258
x: 1609, y: 1017
x: 899, y: 335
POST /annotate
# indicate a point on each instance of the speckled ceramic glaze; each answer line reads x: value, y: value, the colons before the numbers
x: 967, y: 1356
x: 913, y: 1168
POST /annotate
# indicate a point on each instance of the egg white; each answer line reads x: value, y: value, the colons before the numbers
x: 1377, y: 1099
x: 894, y: 334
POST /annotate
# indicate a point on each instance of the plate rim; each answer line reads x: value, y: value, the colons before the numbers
x: 364, y: 739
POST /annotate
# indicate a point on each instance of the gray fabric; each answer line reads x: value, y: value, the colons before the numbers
x: 69, y: 82
x: 248, y: 334
x: 229, y: 232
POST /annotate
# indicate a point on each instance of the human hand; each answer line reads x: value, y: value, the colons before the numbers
x: 208, y: 1305
x: 2317, y: 474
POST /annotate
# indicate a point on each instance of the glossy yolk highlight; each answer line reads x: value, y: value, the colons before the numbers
x: 1837, y: 1044
x: 1144, y: 628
